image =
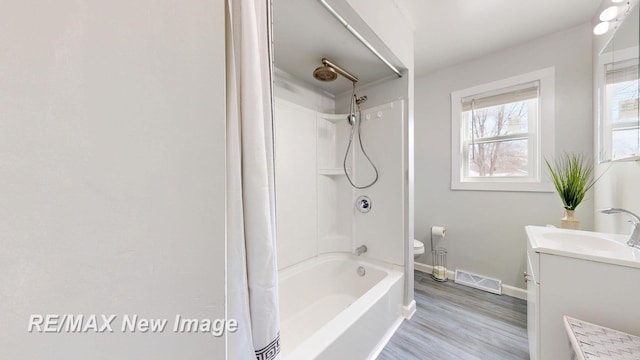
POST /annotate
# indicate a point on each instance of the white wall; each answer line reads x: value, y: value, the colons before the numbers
x: 618, y: 187
x: 389, y: 25
x: 111, y: 173
x: 486, y: 229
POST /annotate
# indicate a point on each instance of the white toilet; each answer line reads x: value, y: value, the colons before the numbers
x: 418, y: 248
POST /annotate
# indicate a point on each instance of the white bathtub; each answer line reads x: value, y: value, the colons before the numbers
x: 328, y: 311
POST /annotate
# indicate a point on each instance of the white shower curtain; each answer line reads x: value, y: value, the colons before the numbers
x: 252, y: 277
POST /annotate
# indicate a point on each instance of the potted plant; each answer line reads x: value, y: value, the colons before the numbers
x: 572, y: 175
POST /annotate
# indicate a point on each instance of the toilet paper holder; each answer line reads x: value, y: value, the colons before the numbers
x: 439, y: 256
x: 437, y: 231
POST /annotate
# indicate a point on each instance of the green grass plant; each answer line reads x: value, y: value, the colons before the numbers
x: 572, y: 175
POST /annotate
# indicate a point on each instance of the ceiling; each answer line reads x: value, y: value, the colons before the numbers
x: 305, y: 32
x: 455, y: 31
x: 447, y: 32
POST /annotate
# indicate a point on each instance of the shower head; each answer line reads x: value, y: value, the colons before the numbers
x: 329, y: 72
x: 325, y: 73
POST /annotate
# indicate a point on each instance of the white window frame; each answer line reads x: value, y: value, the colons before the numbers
x: 541, y: 137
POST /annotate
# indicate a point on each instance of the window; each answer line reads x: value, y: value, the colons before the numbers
x: 501, y: 133
x: 621, y: 127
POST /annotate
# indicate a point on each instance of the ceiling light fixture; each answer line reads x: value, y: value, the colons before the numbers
x: 609, y: 13
x: 611, y: 16
x: 601, y: 28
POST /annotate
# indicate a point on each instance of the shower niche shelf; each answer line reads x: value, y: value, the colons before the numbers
x: 332, y: 171
x: 334, y: 118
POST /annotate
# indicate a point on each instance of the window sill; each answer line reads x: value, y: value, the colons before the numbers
x: 504, y: 186
x: 628, y: 158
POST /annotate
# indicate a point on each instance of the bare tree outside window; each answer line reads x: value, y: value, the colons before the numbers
x: 497, y: 139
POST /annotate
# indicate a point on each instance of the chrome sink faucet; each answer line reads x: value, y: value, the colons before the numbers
x: 634, y: 239
x: 361, y: 250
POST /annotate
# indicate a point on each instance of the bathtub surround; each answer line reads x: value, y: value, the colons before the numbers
x: 316, y: 203
x: 319, y: 229
x: 252, y: 280
x: 310, y: 145
x: 385, y: 139
x: 485, y: 230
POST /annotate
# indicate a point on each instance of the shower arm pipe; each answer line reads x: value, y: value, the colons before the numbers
x: 364, y: 42
x: 339, y: 70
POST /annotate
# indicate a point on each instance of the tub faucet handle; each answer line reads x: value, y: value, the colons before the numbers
x: 361, y: 250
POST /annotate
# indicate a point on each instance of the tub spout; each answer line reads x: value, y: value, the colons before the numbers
x: 361, y: 250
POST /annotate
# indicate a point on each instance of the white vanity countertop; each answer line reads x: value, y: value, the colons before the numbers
x: 588, y: 245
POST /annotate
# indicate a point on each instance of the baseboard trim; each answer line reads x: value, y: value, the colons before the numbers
x: 409, y: 310
x: 514, y: 292
x: 507, y: 290
x: 428, y: 269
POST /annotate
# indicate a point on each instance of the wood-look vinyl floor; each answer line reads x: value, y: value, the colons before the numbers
x: 456, y: 322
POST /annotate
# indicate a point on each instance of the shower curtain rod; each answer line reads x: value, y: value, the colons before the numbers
x: 357, y: 35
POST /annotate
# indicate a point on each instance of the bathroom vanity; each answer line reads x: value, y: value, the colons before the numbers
x: 581, y: 274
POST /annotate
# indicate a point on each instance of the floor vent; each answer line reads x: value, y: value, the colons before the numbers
x: 478, y: 282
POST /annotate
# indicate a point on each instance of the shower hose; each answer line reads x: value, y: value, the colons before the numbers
x: 355, y: 126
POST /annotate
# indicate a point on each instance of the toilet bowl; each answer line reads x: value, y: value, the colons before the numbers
x: 418, y: 248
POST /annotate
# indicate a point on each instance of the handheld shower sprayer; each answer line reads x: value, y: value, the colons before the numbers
x: 355, y: 123
x: 351, y: 119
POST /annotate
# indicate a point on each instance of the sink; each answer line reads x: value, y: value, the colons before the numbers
x: 587, y: 242
x: 588, y: 245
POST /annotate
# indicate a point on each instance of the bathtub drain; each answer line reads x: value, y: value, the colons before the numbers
x: 361, y: 270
